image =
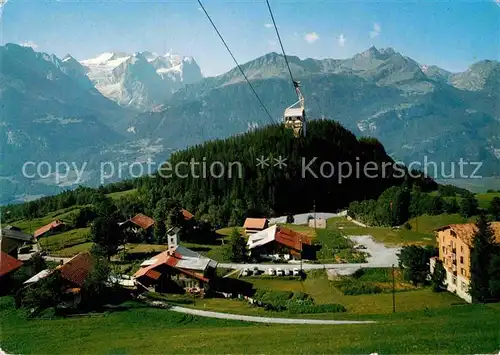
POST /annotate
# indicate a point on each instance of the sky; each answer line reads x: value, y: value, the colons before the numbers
x: 451, y: 34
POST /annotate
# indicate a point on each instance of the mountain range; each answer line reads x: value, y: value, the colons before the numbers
x: 132, y: 107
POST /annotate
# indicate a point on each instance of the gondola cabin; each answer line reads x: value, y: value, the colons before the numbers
x: 295, y: 119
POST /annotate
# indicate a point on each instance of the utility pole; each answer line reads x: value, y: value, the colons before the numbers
x: 314, y: 211
x: 301, y: 255
x: 393, y: 291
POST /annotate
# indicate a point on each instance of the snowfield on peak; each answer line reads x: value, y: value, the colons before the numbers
x: 118, y: 76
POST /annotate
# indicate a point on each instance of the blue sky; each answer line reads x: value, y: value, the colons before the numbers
x: 450, y: 34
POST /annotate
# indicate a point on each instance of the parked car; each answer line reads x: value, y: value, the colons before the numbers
x: 279, y: 272
x: 288, y: 272
x: 296, y: 272
x: 256, y: 271
x: 246, y: 272
x: 271, y: 271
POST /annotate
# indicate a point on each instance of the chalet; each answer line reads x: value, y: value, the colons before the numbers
x: 73, y: 273
x: 278, y: 242
x: 50, y: 228
x: 8, y: 264
x: 254, y: 225
x: 139, y: 223
x: 11, y: 238
x: 176, y: 270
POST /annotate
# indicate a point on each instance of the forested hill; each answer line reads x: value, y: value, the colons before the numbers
x: 273, y: 190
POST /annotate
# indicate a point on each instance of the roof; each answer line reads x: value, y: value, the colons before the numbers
x: 185, y: 260
x: 291, y: 238
x: 14, y: 233
x: 466, y: 231
x: 48, y: 227
x: 173, y: 230
x: 263, y: 237
x: 8, y: 264
x: 187, y: 215
x: 282, y: 235
x: 142, y: 221
x: 42, y: 274
x: 298, y: 111
x: 255, y: 223
x: 76, y: 269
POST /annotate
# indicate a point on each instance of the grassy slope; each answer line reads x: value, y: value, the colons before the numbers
x: 65, y: 239
x: 485, y: 198
x: 73, y: 250
x: 120, y: 194
x: 471, y: 329
x: 29, y: 226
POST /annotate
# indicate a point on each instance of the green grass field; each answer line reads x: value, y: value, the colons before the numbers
x: 120, y: 194
x: 484, y: 199
x: 427, y: 223
x: 73, y: 250
x: 65, y: 240
x: 224, y: 232
x: 29, y: 226
x: 452, y: 330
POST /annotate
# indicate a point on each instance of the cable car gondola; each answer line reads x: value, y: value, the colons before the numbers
x: 295, y: 115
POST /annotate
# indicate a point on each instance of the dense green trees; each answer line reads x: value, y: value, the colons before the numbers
x: 469, y: 205
x: 236, y: 250
x: 438, y: 277
x: 494, y: 208
x: 106, y: 233
x: 398, y: 204
x: 414, y: 260
x: 78, y: 197
x: 484, y: 263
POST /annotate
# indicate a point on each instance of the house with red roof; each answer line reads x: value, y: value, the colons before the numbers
x: 74, y: 272
x: 8, y: 265
x: 254, y: 225
x: 52, y: 227
x: 176, y: 270
x: 140, y: 223
x: 280, y: 242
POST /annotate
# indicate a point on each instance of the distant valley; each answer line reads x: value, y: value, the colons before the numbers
x: 122, y: 107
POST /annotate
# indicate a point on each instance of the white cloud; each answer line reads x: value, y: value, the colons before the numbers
x: 341, y: 40
x: 377, y: 29
x: 29, y: 44
x: 311, y: 37
x: 268, y: 25
x: 497, y: 2
x: 200, y: 9
x: 271, y: 43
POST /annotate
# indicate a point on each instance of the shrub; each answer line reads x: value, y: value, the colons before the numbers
x: 306, y: 307
x: 357, y: 288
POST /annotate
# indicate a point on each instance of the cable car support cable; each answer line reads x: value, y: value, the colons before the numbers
x: 237, y: 64
x: 292, y: 119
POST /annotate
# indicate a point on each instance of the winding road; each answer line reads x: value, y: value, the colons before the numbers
x: 210, y: 314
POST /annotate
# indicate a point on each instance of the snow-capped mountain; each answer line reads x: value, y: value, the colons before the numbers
x: 143, y: 80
